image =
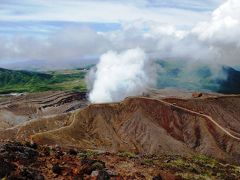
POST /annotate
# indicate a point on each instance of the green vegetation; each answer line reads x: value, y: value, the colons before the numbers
x: 147, y: 161
x: 178, y: 75
x: 198, y: 77
x: 24, y: 81
x: 199, y: 167
x: 126, y: 154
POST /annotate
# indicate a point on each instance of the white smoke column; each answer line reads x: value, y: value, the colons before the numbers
x: 121, y: 75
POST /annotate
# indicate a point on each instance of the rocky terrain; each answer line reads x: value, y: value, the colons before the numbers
x: 20, y: 108
x: 163, y: 134
x: 37, y: 162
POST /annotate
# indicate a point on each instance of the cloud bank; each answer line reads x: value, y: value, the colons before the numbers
x: 216, y: 41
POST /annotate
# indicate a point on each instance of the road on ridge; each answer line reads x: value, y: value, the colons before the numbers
x: 198, y: 114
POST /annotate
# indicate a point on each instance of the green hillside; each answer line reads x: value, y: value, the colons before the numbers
x: 198, y: 77
x: 25, y: 81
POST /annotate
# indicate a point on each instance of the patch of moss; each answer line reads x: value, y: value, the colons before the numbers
x: 127, y: 154
x: 147, y: 161
x: 205, y: 161
x: 182, y: 165
x: 87, y: 154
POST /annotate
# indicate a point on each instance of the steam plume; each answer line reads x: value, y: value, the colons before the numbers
x: 120, y: 75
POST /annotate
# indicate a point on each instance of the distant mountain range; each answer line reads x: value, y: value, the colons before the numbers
x: 177, y: 75
x: 45, y: 65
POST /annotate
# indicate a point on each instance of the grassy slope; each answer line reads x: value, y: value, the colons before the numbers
x: 23, y: 81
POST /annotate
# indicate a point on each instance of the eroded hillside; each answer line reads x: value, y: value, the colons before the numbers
x: 15, y: 110
x: 156, y: 124
x: 150, y: 126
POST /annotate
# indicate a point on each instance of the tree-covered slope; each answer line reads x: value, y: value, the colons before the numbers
x: 232, y: 83
x: 11, y: 77
x: 198, y: 77
x: 25, y: 81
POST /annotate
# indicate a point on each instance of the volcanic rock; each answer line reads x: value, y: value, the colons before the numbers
x: 156, y: 127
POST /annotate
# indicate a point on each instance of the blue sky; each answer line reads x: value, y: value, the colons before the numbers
x: 43, y: 17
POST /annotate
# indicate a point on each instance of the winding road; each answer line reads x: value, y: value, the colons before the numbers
x: 197, y: 114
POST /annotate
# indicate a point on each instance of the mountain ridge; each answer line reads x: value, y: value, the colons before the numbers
x: 136, y: 124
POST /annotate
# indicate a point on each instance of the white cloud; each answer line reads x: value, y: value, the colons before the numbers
x: 215, y: 40
x: 222, y: 32
x: 224, y: 25
x: 66, y: 44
